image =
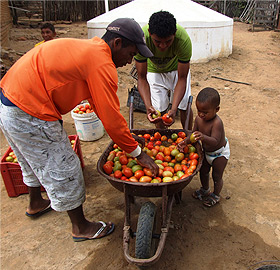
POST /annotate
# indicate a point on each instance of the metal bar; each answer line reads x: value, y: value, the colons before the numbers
x: 230, y: 80
x: 19, y: 9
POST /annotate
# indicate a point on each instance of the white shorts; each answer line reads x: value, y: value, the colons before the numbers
x: 45, y: 156
x: 161, y: 84
x: 222, y: 152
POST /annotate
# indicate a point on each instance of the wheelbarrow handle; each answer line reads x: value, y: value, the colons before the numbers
x: 131, y: 94
x: 189, y: 106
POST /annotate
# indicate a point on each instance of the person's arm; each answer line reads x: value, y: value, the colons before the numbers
x: 180, y: 88
x: 103, y: 88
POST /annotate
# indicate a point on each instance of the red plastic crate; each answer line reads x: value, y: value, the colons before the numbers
x: 12, y: 175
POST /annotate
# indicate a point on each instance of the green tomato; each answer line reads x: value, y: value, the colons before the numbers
x: 174, y: 136
x: 136, y: 168
x: 154, y: 116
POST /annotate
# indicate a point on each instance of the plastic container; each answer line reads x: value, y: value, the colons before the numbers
x: 12, y: 175
x: 88, y: 126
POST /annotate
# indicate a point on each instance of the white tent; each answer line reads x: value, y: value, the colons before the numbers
x: 211, y: 32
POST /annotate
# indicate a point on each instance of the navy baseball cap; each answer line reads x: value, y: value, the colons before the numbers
x: 131, y: 30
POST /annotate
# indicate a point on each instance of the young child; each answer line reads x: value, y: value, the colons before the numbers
x: 47, y: 32
x: 209, y: 129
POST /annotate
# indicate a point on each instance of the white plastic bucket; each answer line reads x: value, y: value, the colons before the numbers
x: 88, y: 126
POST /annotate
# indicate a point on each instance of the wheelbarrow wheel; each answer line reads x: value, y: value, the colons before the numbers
x: 144, y: 247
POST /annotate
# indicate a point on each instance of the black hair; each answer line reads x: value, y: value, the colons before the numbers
x: 108, y: 36
x: 48, y: 25
x: 163, y: 24
x: 209, y: 94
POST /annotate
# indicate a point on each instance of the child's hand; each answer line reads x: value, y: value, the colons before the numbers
x: 198, y: 135
x: 181, y: 145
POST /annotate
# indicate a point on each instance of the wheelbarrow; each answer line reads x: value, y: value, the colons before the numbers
x: 146, y: 253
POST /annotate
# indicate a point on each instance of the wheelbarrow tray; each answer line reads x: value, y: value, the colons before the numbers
x: 149, y: 189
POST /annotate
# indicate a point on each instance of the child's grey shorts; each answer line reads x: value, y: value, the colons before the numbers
x: 45, y: 156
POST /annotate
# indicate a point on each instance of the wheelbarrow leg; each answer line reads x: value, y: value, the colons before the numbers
x: 178, y: 197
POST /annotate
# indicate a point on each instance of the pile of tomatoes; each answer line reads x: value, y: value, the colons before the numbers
x: 173, y: 165
x: 83, y: 108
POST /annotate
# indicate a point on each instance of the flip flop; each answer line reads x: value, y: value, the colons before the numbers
x: 97, y: 235
x: 40, y: 213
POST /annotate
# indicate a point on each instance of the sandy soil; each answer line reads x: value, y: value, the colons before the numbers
x: 244, y: 229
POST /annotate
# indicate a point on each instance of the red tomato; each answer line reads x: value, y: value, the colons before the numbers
x: 186, y: 150
x: 193, y: 155
x: 164, y: 164
x: 159, y: 179
x: 167, y: 158
x: 82, y: 109
x: 152, y: 138
x: 168, y: 168
x: 177, y: 167
x: 166, y: 119
x: 147, y: 136
x: 145, y: 179
x: 87, y: 106
x: 115, y: 146
x: 157, y: 135
x: 154, y: 152
x: 110, y: 162
x: 117, y: 174
x: 160, y: 157
x: 124, y: 178
x: 127, y: 172
x: 193, y: 162
x: 123, y: 159
x: 119, y: 153
x: 147, y: 172
x: 133, y: 179
x: 150, y: 146
x: 166, y: 151
x: 157, y: 147
x: 138, y: 174
x: 108, y: 168
x: 163, y: 138
x: 184, y: 167
x: 185, y: 176
x: 182, y: 134
x: 160, y: 171
x: 158, y: 143
x: 179, y: 140
x: 192, y: 167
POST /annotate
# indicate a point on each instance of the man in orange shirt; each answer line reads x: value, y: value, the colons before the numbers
x: 49, y: 81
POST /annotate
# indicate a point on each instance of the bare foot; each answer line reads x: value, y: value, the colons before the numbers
x: 38, y: 206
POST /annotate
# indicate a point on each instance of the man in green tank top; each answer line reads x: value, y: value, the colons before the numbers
x: 165, y: 78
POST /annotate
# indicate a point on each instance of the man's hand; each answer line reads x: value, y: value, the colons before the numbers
x: 172, y: 115
x: 140, y: 140
x: 151, y: 110
x: 146, y: 161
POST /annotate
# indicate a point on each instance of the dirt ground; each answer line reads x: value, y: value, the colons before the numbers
x: 238, y: 233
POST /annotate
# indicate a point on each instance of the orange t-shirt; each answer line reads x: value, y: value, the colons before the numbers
x: 50, y: 80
